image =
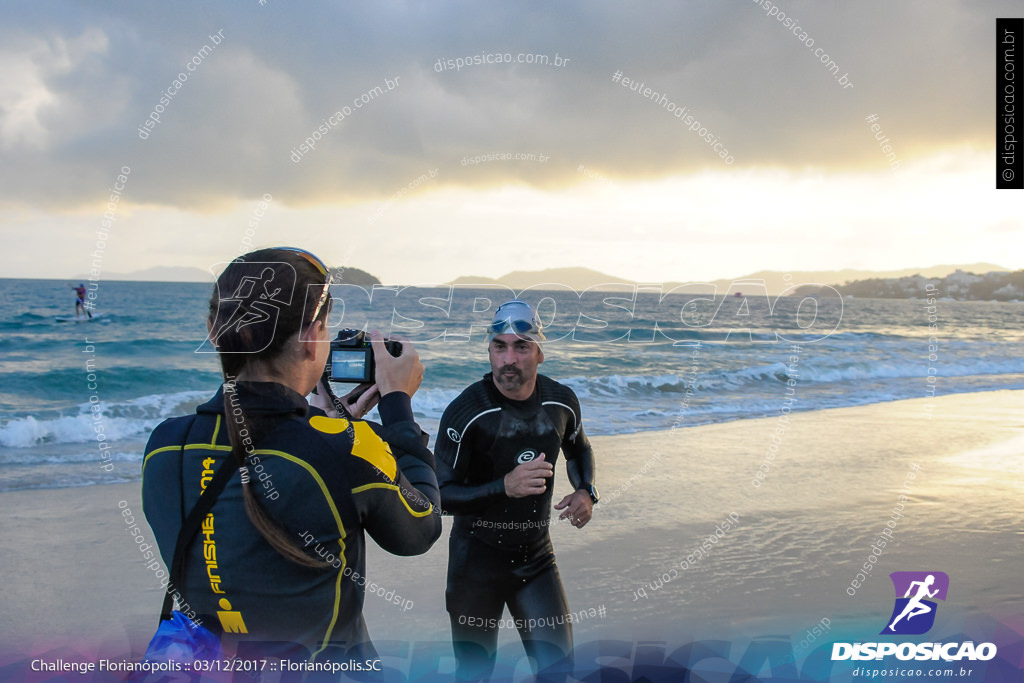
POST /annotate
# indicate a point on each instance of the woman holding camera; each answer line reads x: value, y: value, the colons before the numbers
x: 279, y: 561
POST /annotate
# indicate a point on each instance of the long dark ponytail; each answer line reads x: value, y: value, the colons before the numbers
x: 259, y: 303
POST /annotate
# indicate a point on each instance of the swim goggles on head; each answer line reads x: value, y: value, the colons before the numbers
x: 516, y: 317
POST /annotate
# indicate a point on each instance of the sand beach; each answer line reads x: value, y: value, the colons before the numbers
x: 687, y: 544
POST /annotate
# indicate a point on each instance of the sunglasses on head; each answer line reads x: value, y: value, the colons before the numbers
x: 322, y: 268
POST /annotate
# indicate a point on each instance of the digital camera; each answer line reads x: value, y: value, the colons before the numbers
x: 351, y: 358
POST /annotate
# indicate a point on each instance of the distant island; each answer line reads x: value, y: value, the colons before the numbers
x: 353, y: 276
x: 157, y: 274
x: 773, y: 281
x: 958, y: 285
x: 576, y: 278
x: 953, y: 281
x: 340, y: 275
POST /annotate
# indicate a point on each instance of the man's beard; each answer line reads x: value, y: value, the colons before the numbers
x: 510, y: 381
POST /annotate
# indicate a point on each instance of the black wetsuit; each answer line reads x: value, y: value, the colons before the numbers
x: 500, y: 551
x: 318, y: 485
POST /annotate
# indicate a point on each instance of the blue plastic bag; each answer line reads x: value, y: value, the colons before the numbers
x: 179, y: 639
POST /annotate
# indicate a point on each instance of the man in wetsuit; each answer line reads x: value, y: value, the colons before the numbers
x: 496, y: 449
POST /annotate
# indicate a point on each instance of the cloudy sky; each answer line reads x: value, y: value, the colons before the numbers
x: 617, y: 181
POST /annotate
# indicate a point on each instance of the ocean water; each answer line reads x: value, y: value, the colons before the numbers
x: 639, y: 362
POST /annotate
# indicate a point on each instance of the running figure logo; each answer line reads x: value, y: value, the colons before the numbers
x: 914, y: 613
x: 256, y: 300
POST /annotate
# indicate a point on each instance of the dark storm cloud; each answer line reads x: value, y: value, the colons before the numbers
x: 88, y: 75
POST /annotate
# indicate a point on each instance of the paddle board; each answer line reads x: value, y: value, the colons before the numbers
x: 77, y: 319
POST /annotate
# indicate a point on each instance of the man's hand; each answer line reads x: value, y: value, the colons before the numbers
x: 528, y: 479
x: 579, y: 508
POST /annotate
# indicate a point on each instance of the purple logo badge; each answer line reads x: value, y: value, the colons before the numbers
x: 915, y: 608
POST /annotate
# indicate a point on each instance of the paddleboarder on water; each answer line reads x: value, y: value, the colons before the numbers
x: 80, y: 306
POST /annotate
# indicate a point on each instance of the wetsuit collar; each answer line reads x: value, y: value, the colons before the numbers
x: 260, y: 397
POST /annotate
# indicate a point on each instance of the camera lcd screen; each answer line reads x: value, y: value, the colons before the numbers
x: 348, y: 365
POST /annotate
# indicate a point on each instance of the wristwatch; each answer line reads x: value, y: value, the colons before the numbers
x: 591, y: 491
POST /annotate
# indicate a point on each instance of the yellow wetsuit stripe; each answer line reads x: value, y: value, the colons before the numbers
x: 145, y: 460
x: 337, y: 603
x: 216, y: 430
x: 206, y: 447
x: 414, y: 513
x: 189, y: 446
x: 341, y: 541
x: 154, y: 452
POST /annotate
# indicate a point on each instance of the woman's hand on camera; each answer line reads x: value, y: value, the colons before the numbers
x: 404, y: 373
x: 321, y: 399
x: 364, y: 403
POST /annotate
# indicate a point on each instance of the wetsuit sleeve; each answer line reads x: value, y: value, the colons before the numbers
x: 393, y: 480
x: 454, y: 453
x: 459, y: 498
x: 579, y: 455
x: 409, y: 444
x: 579, y: 461
x: 162, y: 502
x: 397, y: 517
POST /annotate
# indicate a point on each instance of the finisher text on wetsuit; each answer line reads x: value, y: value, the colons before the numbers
x: 496, y: 449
